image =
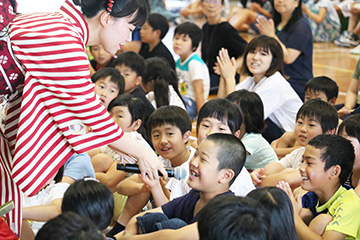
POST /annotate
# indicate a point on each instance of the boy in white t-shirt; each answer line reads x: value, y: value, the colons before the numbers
x: 170, y: 129
x: 194, y: 81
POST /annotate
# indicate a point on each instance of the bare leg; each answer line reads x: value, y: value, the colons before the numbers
x: 241, y: 18
x: 26, y: 231
x: 101, y: 162
x: 133, y: 206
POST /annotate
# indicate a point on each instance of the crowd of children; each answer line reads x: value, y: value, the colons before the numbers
x: 260, y: 163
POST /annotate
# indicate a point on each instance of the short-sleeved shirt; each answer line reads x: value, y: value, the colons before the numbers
x: 293, y: 159
x: 79, y: 166
x: 259, y: 151
x: 218, y: 36
x: 192, y: 68
x: 184, y: 207
x: 242, y: 184
x: 344, y: 207
x: 299, y: 37
x: 356, y: 75
x: 159, y: 51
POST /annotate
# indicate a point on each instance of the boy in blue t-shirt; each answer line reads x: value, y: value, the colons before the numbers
x: 194, y: 80
x: 213, y: 168
x: 327, y: 163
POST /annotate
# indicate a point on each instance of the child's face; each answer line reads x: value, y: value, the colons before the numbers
x: 122, y: 117
x: 204, y: 173
x: 100, y: 55
x: 305, y: 129
x: 182, y: 45
x: 132, y: 80
x: 168, y: 141
x: 147, y: 33
x: 212, y: 8
x: 312, y: 171
x: 106, y: 90
x: 356, y: 144
x: 258, y: 62
x: 209, y: 126
x: 310, y: 94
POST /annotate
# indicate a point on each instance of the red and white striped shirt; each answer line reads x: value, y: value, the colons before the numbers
x: 60, y: 114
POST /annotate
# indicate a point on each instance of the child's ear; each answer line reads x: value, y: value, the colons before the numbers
x: 227, y: 175
x: 137, y: 124
x: 237, y: 133
x: 157, y: 33
x: 331, y: 131
x: 335, y: 172
x: 332, y: 101
x: 138, y: 80
x: 186, y: 136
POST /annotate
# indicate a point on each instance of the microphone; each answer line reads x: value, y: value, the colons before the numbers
x: 177, y: 172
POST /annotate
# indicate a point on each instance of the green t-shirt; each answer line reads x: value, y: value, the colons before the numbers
x: 344, y: 207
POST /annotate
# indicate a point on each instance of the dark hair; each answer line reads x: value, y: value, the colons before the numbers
x: 158, y: 22
x: 192, y: 30
x: 59, y: 176
x: 115, y: 77
x: 267, y: 44
x: 231, y: 217
x: 323, y: 84
x: 351, y: 126
x: 172, y: 115
x: 321, y: 111
x: 91, y: 199
x: 222, y: 1
x: 138, y: 10
x: 69, y: 226
x: 252, y: 109
x: 132, y: 60
x: 136, y: 106
x: 335, y: 150
x: 159, y: 71
x: 231, y: 152
x: 224, y: 111
x: 277, y: 203
x: 296, y: 15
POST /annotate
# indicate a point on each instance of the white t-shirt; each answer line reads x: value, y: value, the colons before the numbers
x: 44, y: 197
x: 242, y: 184
x: 293, y: 159
x: 193, y: 68
x: 281, y: 103
x: 174, y: 98
x: 177, y: 187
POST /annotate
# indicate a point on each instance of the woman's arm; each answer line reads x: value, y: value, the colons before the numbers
x: 318, y: 18
x: 268, y: 28
x: 149, y: 163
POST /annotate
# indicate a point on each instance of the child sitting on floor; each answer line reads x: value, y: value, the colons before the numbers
x: 314, y: 117
x: 215, y: 165
x: 327, y: 162
x: 108, y: 84
x: 320, y: 87
x: 170, y: 129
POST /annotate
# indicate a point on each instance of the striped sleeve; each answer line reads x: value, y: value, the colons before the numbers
x: 60, y: 113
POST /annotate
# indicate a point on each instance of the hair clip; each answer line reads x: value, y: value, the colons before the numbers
x: 110, y: 5
x: 90, y: 179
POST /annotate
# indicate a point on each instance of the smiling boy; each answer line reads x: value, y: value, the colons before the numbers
x: 213, y: 168
x: 327, y: 163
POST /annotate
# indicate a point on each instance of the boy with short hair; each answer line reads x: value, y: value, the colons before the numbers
x: 152, y: 32
x: 220, y: 115
x: 170, y: 129
x: 132, y: 66
x: 230, y: 217
x: 213, y: 168
x: 108, y: 84
x: 322, y: 87
x: 194, y: 80
x: 327, y: 163
x: 313, y: 118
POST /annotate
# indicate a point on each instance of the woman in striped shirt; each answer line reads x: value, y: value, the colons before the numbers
x: 54, y: 112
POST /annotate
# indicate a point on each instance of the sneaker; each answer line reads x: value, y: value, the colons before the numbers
x: 347, y: 39
x: 355, y: 50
